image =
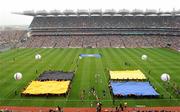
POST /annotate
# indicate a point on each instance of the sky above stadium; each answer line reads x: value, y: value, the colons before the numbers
x: 8, y: 6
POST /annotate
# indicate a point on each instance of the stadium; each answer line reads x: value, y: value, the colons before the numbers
x: 104, y: 61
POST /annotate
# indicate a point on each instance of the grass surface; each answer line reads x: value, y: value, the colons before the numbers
x: 159, y: 61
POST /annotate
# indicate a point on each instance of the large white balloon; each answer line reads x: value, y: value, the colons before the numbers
x: 80, y: 57
x: 18, y: 76
x: 37, y: 56
x: 165, y: 77
x: 144, y: 57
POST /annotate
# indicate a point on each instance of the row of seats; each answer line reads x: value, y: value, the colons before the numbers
x: 106, y: 21
x: 10, y: 36
x: 103, y: 41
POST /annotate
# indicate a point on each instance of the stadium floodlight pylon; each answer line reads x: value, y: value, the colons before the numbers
x: 173, y: 13
x: 159, y: 13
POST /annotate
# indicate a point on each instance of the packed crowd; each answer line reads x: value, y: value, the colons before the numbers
x: 10, y: 36
x: 106, y: 31
x: 98, y: 32
x: 106, y: 21
x: 102, y: 41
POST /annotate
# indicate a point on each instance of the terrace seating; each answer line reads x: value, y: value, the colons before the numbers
x: 10, y: 38
x: 105, y: 31
x: 106, y: 22
x: 103, y: 41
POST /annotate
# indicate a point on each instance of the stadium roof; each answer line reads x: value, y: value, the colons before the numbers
x: 96, y: 12
x: 124, y: 12
x: 109, y: 11
x: 137, y: 12
x: 177, y: 12
x: 82, y: 12
x: 55, y: 12
x: 150, y: 12
x: 42, y: 12
x: 160, y: 12
x: 69, y: 12
x: 28, y: 13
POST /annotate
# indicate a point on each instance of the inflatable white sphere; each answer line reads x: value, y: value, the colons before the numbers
x: 37, y: 56
x: 17, y: 76
x: 144, y: 57
x: 80, y: 57
x: 165, y: 77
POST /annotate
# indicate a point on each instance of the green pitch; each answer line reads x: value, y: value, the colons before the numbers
x: 22, y: 60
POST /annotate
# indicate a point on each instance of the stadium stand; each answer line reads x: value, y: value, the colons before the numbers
x: 105, y: 22
x: 103, y: 41
x: 9, y: 38
x: 104, y: 31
